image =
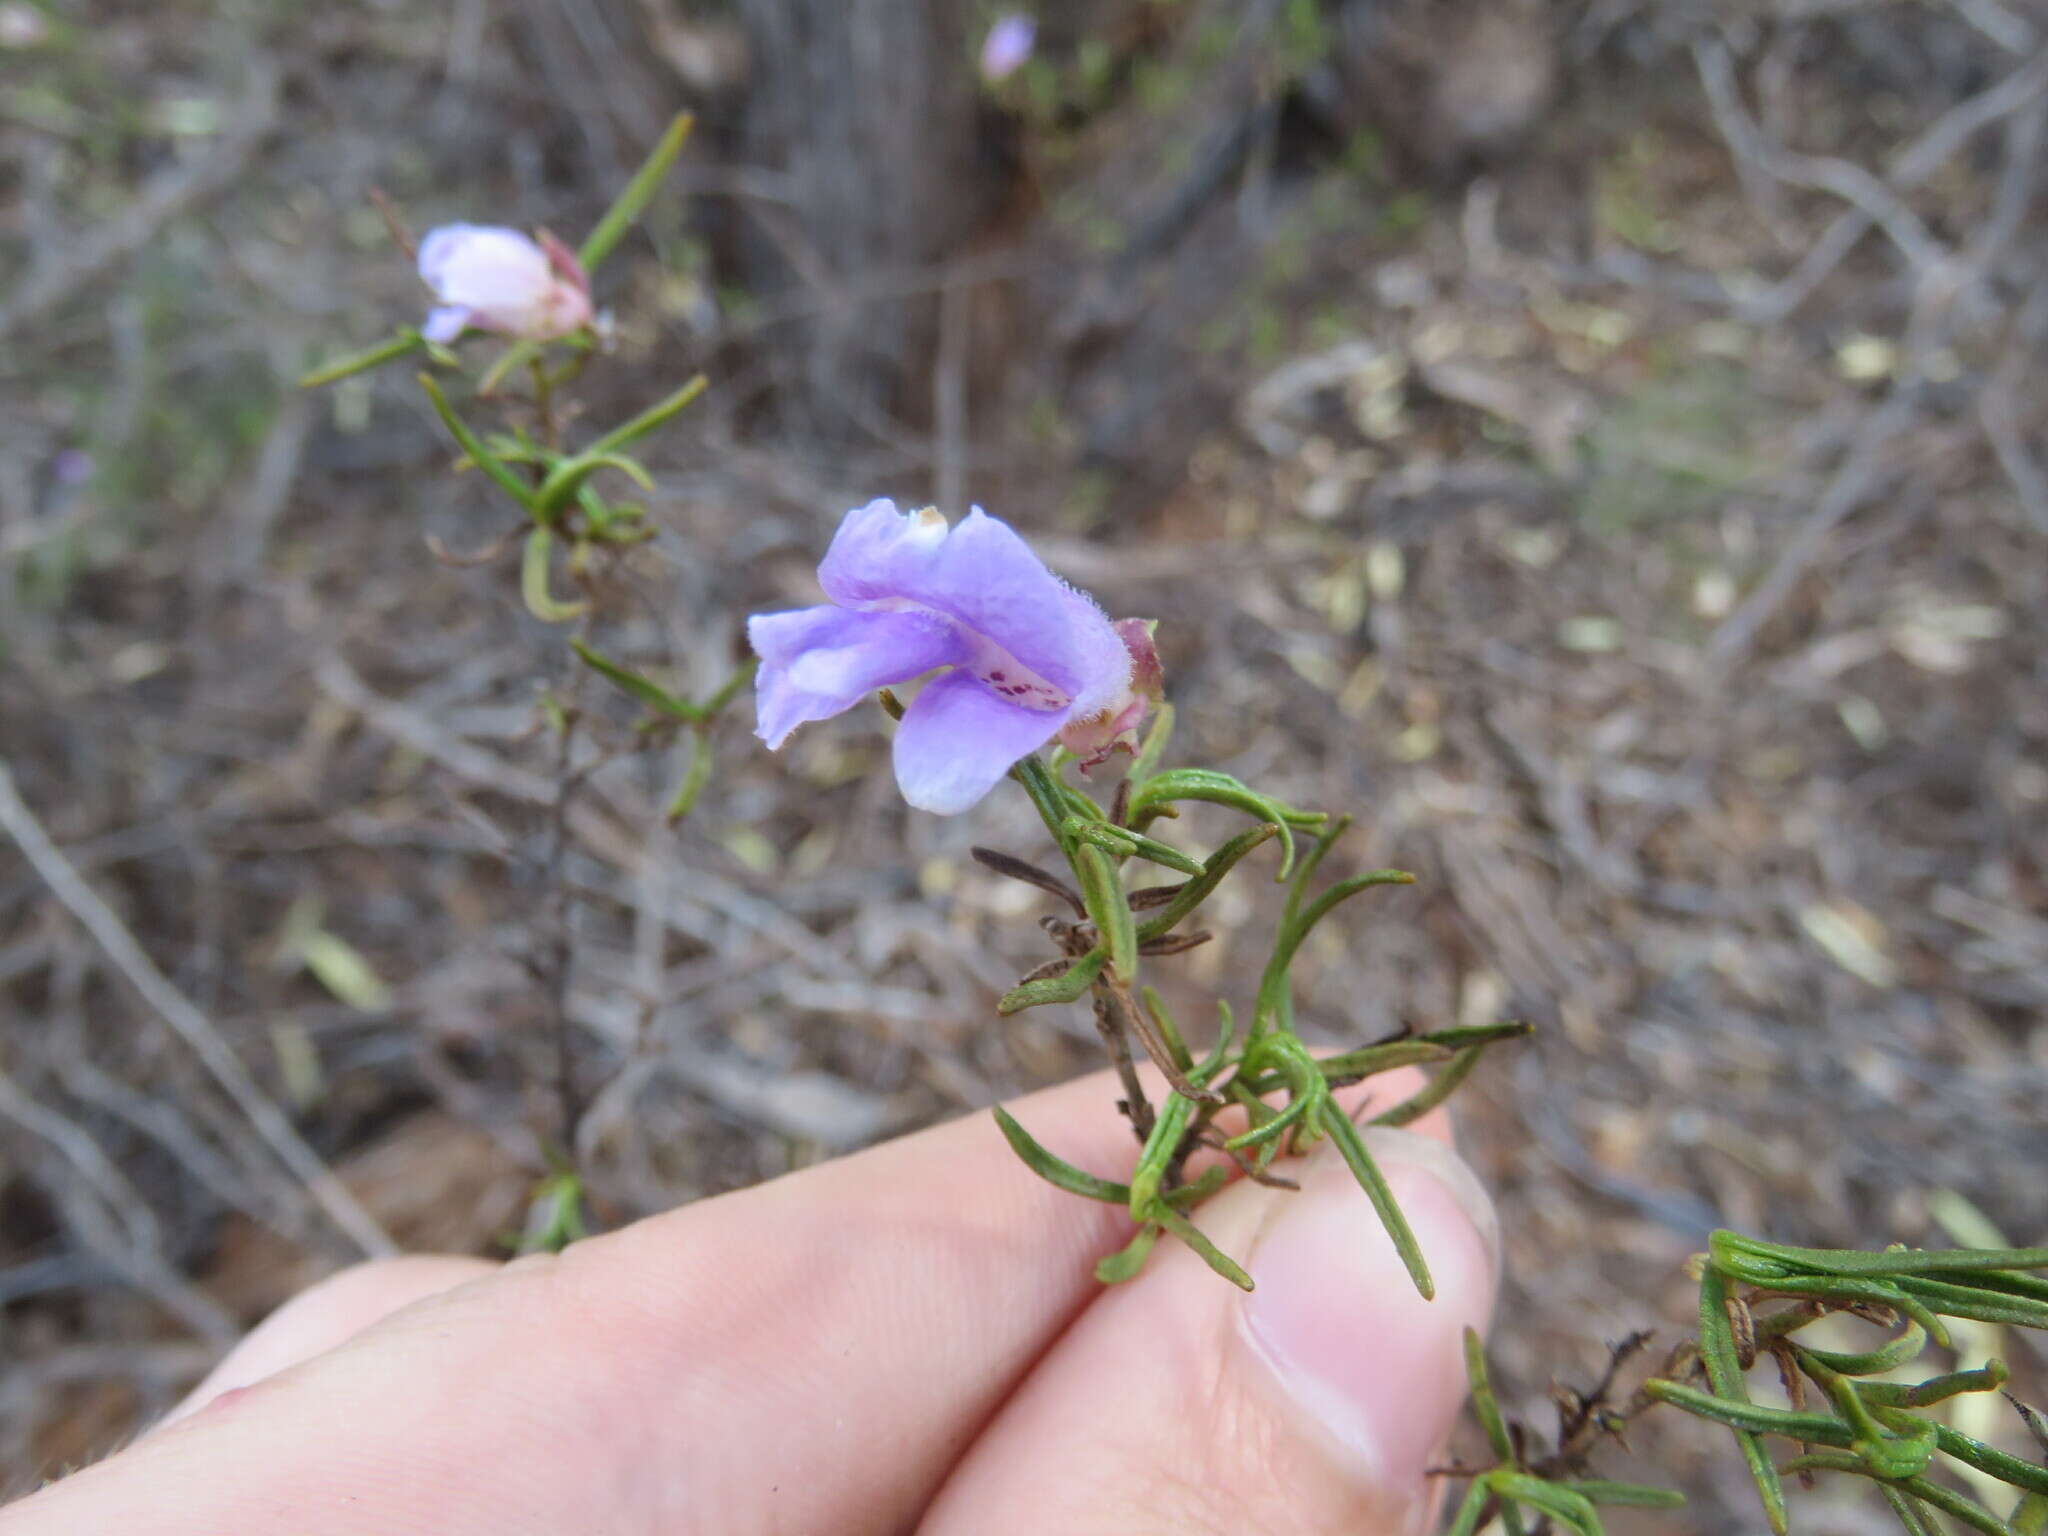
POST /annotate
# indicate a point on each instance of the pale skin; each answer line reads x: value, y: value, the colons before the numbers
x: 909, y: 1339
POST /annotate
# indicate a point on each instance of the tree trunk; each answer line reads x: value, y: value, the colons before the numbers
x: 871, y: 108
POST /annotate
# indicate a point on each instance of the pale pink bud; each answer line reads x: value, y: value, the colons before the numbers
x: 488, y: 278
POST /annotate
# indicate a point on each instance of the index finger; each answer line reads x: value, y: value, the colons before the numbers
x: 812, y: 1353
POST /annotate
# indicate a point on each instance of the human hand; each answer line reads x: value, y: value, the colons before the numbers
x: 906, y: 1339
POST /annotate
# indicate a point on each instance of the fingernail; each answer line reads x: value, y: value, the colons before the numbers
x: 1341, y: 1326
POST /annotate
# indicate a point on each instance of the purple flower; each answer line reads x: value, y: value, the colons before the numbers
x: 1007, y: 46
x: 1030, y: 657
x: 491, y: 279
x: 73, y: 466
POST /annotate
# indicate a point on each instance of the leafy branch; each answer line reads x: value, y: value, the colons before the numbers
x: 1224, y: 1104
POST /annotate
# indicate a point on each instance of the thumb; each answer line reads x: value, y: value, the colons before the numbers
x: 1177, y: 1402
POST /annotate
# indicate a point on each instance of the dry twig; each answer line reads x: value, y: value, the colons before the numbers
x: 191, y: 1026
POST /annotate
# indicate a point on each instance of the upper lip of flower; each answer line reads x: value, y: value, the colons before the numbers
x: 1028, y: 653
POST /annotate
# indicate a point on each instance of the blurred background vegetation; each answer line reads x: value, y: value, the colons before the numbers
x: 1594, y: 439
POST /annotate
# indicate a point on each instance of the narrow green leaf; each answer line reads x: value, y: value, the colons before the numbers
x: 634, y: 197
x: 1725, y: 1375
x: 1063, y: 988
x: 1988, y: 1377
x: 1161, y: 1145
x: 1198, y: 890
x: 1374, y: 1183
x: 533, y: 580
x: 1302, y: 1074
x: 1195, y: 1191
x: 1600, y: 1490
x: 657, y: 413
x: 1046, y: 798
x: 1485, y: 1406
x: 1290, y: 1114
x: 1275, y: 1008
x: 1128, y: 1260
x: 1370, y: 1060
x: 648, y: 692
x: 1196, y: 1239
x: 1819, y: 1428
x: 1893, y: 1456
x: 1306, y: 871
x: 729, y: 690
x: 2031, y: 1518
x: 1888, y: 1263
x: 1556, y: 1500
x: 1833, y: 1287
x: 2013, y: 1282
x: 2027, y: 1475
x: 1957, y: 1507
x: 1226, y: 1037
x: 566, y: 480
x: 1169, y: 1031
x: 1078, y: 804
x: 478, y: 454
x: 404, y: 344
x: 1151, y: 848
x: 1343, y: 890
x: 1219, y: 788
x: 1959, y: 1298
x: 1889, y: 1356
x: 1460, y: 1036
x: 1107, y: 908
x: 1111, y: 840
x: 1470, y: 1508
x: 1907, y: 1508
x: 517, y: 448
x: 1054, y: 1170
x: 554, y: 1220
x: 1926, y: 1490
x: 1432, y: 1093
x: 696, y: 774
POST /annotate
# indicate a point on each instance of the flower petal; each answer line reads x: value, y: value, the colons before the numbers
x: 505, y: 281
x: 984, y: 577
x: 445, y: 322
x: 819, y: 662
x: 958, y: 739
x: 1008, y: 46
x: 877, y: 552
x: 484, y: 266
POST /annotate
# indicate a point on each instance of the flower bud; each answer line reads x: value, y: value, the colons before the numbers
x: 1114, y: 728
x: 487, y: 278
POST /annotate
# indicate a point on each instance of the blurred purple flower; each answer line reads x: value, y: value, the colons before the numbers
x: 1008, y: 46
x: 492, y: 279
x: 1030, y: 657
x: 72, y: 466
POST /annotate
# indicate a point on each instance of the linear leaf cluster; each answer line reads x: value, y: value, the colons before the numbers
x: 1257, y: 1096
